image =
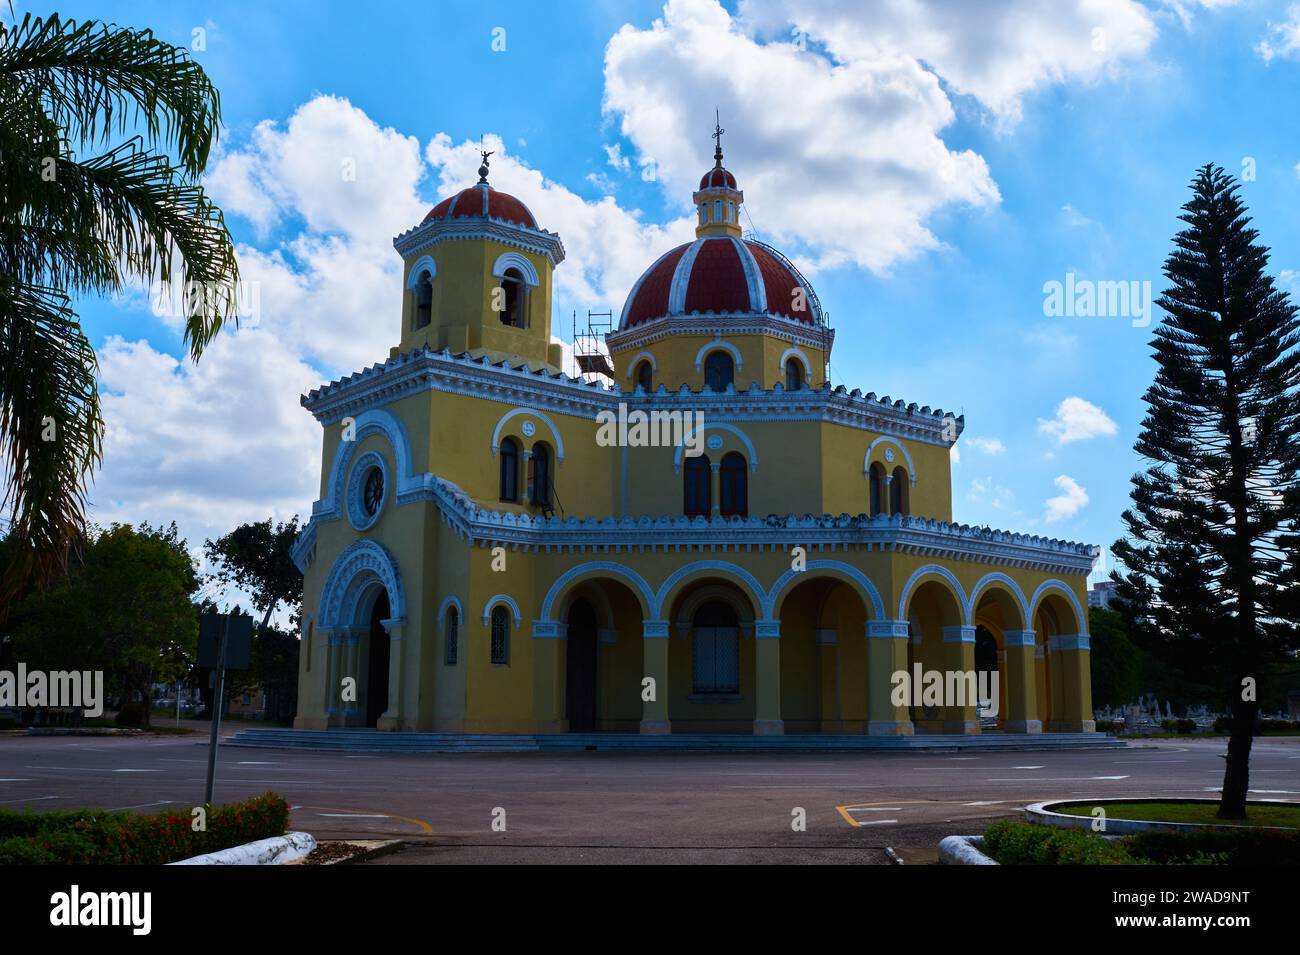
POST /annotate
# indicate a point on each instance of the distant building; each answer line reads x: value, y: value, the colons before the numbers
x: 1102, y: 595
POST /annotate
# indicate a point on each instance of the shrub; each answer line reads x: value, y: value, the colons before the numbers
x: 1223, y: 725
x: 1249, y: 847
x: 131, y: 714
x: 1110, y: 726
x: 1169, y: 726
x: 1019, y: 843
x: 119, y: 838
x: 1187, y: 726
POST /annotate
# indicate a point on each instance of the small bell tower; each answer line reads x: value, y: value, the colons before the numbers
x: 718, y: 201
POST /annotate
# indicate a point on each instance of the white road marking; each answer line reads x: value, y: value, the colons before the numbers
x: 1049, y: 779
x: 984, y: 802
x: 252, y: 762
x: 137, y: 770
x: 1028, y: 767
x: 32, y: 799
x: 877, y: 822
x: 142, y: 805
x: 15, y: 780
x: 354, y: 815
x: 875, y: 808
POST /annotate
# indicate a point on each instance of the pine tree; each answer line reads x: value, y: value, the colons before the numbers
x: 1210, y: 553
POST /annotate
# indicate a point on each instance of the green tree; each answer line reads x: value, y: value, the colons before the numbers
x: 104, y: 133
x: 124, y: 607
x: 1116, y: 661
x: 258, y: 559
x: 1210, y: 549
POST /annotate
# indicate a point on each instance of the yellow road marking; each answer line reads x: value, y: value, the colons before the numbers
x: 846, y: 811
x: 428, y: 829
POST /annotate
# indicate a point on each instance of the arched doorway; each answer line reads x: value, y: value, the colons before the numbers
x: 580, y: 668
x: 377, y: 661
x: 986, y: 673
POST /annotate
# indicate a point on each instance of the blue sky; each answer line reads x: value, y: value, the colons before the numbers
x: 931, y: 166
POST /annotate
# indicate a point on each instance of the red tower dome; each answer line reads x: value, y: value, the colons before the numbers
x: 482, y: 201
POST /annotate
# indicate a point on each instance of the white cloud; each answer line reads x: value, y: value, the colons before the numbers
x: 1077, y: 420
x: 616, y: 157
x: 1069, y: 502
x: 1283, y: 39
x: 990, y: 493
x: 987, y: 445
x: 995, y: 52
x: 843, y: 157
x: 606, y: 246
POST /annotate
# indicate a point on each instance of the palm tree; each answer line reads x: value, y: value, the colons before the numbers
x: 132, y: 211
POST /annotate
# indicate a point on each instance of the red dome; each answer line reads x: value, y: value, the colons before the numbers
x: 482, y: 200
x: 718, y: 274
x: 717, y: 178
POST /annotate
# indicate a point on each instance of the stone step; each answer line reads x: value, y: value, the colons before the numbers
x: 355, y: 740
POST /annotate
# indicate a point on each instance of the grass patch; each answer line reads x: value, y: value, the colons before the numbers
x: 1197, y: 812
x: 1020, y: 843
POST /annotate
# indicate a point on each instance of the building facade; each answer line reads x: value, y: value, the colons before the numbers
x: 719, y: 542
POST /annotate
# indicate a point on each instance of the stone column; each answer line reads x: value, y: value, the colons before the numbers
x: 1021, y: 678
x: 1041, y: 682
x: 715, y: 484
x: 391, y: 719
x: 550, y: 643
x: 886, y: 655
x: 330, y: 694
x: 832, y: 719
x: 654, y: 644
x: 1071, y: 661
x: 959, y: 657
x: 887, y: 505
x: 767, y: 673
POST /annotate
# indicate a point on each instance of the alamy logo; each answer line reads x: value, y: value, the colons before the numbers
x: 946, y: 688
x: 651, y: 429
x: 103, y: 908
x: 83, y: 689
x: 1084, y: 298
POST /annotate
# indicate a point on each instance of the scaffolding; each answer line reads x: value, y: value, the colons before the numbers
x: 591, y: 359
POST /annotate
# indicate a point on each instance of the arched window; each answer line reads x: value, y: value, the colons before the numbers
x: 717, y: 210
x: 733, y: 491
x: 423, y: 300
x: 793, y: 374
x: 697, y: 486
x: 719, y: 370
x: 500, y: 635
x: 509, y: 470
x: 452, y: 636
x: 539, y: 476
x: 645, y: 375
x: 898, y: 493
x: 515, y: 310
x: 716, y: 651
x: 876, y: 477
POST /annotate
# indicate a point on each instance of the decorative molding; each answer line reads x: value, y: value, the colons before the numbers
x: 706, y: 568
x: 501, y: 599
x: 639, y: 357
x: 752, y: 452
x: 868, y: 590
x: 1018, y: 638
x: 959, y: 634
x: 654, y: 629
x: 767, y: 629
x: 1060, y: 586
x: 549, y: 630
x: 354, y: 498
x: 595, y: 568
x: 937, y: 571
x: 887, y: 630
x: 424, y: 263
x: 718, y: 344
x: 555, y: 432
x: 1069, y: 641
x: 795, y: 352
x: 360, y: 565
x: 366, y: 423
x: 999, y: 578
x: 866, y: 460
x: 721, y: 324
x: 452, y: 601
x: 513, y: 260
x: 469, y: 228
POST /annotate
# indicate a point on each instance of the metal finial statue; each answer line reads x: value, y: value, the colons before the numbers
x: 717, y: 134
x: 483, y: 169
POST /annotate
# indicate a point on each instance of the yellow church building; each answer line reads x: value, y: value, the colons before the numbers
x: 720, y: 542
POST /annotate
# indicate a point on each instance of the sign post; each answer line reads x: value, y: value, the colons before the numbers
x: 225, y: 640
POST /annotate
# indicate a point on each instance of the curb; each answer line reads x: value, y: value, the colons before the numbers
x: 1038, y: 814
x: 963, y: 850
x: 275, y: 851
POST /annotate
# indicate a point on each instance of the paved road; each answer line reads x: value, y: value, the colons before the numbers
x: 616, y: 807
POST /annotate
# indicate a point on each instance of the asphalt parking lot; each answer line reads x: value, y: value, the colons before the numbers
x: 619, y: 807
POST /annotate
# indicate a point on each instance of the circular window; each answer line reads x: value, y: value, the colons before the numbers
x: 372, y: 496
x: 367, y: 486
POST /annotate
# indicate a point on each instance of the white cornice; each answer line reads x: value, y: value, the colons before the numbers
x: 426, y: 370
x: 714, y: 324
x: 902, y: 534
x: 537, y: 241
